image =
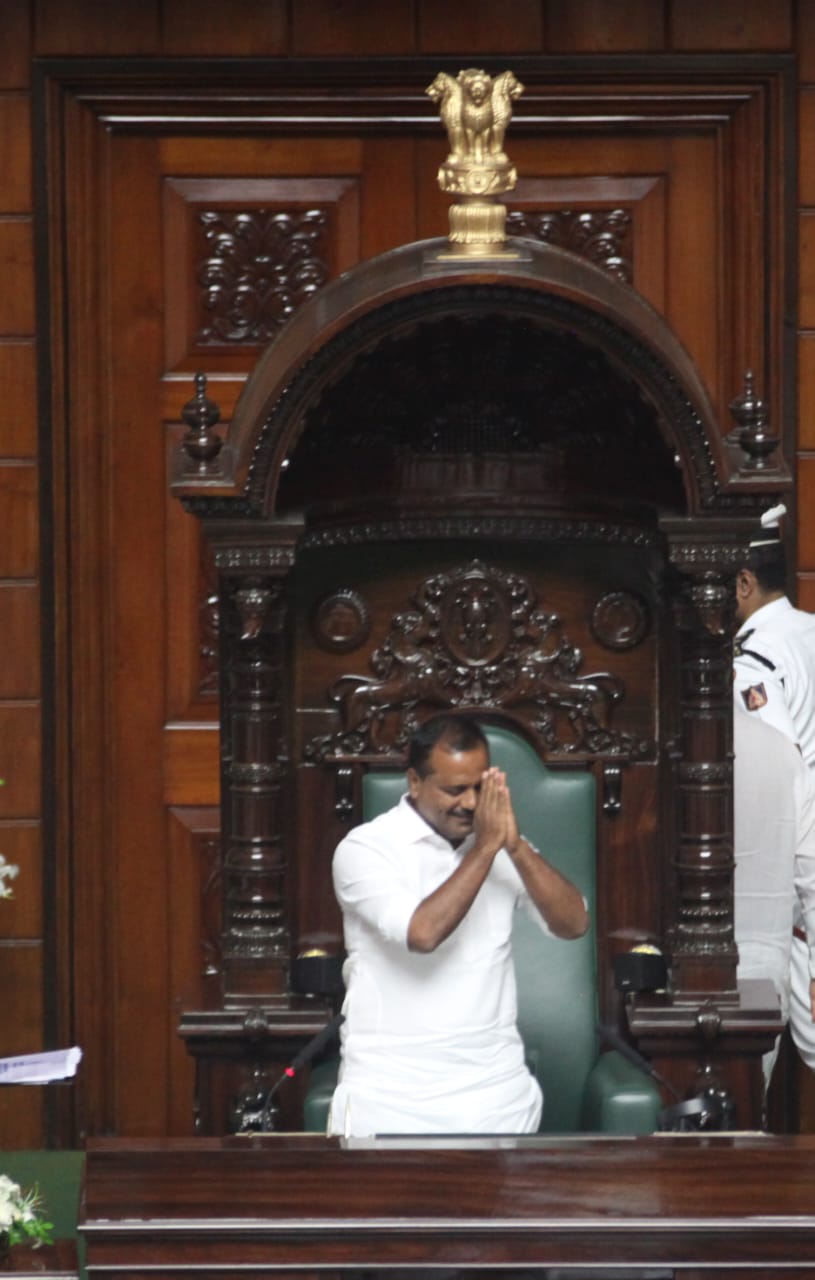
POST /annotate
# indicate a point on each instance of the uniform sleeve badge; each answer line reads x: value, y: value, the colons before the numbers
x: 755, y: 697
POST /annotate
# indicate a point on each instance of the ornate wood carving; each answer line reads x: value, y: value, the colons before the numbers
x: 341, y: 621
x: 604, y: 236
x: 620, y: 620
x: 260, y: 266
x: 477, y: 638
x: 256, y: 936
x: 209, y: 625
x: 703, y: 949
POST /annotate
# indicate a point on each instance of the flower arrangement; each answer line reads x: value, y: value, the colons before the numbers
x: 22, y: 1215
x: 8, y: 870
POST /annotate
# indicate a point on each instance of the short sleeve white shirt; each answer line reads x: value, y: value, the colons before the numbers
x: 430, y: 1041
x: 774, y: 671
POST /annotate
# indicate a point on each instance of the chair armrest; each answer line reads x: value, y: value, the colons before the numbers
x: 321, y: 1085
x: 620, y: 1098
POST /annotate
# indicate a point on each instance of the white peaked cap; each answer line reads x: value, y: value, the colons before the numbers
x: 770, y: 522
x: 771, y: 518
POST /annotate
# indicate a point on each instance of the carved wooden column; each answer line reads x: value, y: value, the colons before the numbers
x: 703, y: 950
x: 254, y: 765
x: 708, y: 1032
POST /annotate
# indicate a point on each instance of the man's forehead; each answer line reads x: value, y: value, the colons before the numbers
x: 447, y: 762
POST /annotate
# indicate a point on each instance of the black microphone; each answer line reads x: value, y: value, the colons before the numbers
x: 309, y: 1051
x: 612, y: 1037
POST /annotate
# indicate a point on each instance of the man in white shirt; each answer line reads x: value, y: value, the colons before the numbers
x: 428, y: 891
x: 774, y: 681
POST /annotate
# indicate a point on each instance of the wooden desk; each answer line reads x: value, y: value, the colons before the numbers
x: 305, y: 1206
x: 57, y: 1261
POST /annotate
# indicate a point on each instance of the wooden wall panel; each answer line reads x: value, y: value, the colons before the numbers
x: 806, y: 125
x: 18, y: 408
x: 595, y: 26
x: 194, y: 958
x: 19, y: 627
x: 21, y: 979
x: 20, y: 759
x: 481, y: 26
x: 806, y: 504
x: 806, y: 269
x: 730, y: 25
x: 806, y: 392
x: 15, y: 44
x: 353, y: 28
x: 242, y: 28
x: 219, y: 290
x: 18, y: 498
x: 15, y: 154
x: 17, y: 272
x: 805, y: 40
x: 21, y: 916
x: 74, y: 27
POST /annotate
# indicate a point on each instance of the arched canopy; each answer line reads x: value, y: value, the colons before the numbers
x: 567, y: 304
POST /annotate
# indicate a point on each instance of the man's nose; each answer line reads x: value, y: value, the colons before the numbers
x: 469, y: 800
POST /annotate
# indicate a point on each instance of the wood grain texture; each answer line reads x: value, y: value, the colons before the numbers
x: 20, y: 760
x: 15, y: 153
x: 601, y: 26
x: 15, y: 44
x: 730, y: 25
x: 17, y: 268
x: 480, y: 27
x: 98, y: 30
x: 18, y: 412
x: 18, y: 497
x: 352, y: 27
x: 20, y: 675
x: 692, y: 1201
x: 21, y: 917
x: 243, y: 28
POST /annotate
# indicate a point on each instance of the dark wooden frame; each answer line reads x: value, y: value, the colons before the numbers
x: 75, y: 103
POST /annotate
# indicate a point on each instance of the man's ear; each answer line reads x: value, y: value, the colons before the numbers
x: 413, y: 781
x: 745, y: 584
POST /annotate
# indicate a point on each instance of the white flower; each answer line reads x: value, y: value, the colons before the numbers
x: 8, y: 871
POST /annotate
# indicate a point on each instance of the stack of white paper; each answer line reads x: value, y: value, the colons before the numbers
x: 40, y: 1068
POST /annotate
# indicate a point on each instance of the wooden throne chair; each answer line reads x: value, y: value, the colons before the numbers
x: 501, y: 489
x: 557, y: 980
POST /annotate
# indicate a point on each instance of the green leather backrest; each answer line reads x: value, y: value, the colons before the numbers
x: 557, y: 980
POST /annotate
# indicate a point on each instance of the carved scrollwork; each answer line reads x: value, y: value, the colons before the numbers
x: 620, y: 620
x: 261, y: 266
x: 342, y: 621
x: 476, y: 638
x: 604, y: 236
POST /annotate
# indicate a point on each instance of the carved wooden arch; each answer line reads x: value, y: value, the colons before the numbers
x: 378, y: 297
x: 235, y: 489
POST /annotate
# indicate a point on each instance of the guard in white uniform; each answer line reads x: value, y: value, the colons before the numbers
x: 428, y: 891
x: 774, y: 837
x: 774, y: 681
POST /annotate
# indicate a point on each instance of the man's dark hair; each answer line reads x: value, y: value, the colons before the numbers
x: 457, y: 732
x: 769, y: 564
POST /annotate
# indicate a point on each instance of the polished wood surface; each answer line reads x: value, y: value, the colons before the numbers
x: 85, y: 870
x: 275, y: 1203
x: 57, y: 1261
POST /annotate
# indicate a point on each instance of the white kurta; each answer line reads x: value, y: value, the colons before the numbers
x: 430, y: 1042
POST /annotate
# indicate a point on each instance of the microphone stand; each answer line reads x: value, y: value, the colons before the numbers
x: 705, y: 1110
x: 309, y: 1051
